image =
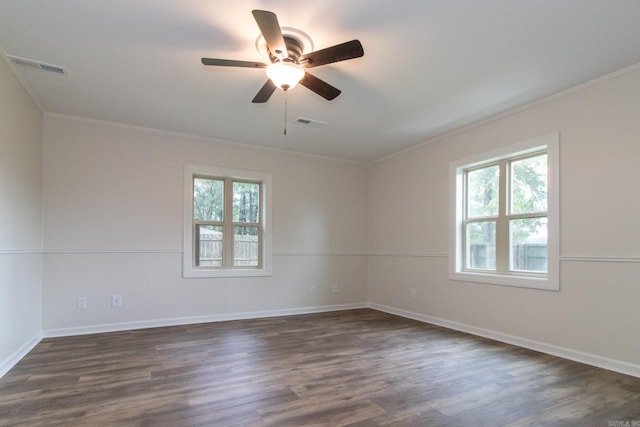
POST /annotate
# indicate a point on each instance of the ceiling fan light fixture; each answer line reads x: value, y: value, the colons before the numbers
x: 285, y: 75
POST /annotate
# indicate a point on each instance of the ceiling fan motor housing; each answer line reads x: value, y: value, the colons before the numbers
x: 294, y: 49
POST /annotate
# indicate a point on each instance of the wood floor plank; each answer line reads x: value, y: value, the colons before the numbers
x: 349, y: 368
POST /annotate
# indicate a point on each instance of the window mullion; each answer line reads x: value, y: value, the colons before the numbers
x: 502, y: 223
x: 228, y: 229
x: 195, y: 247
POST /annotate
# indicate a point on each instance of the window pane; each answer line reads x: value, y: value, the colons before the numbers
x: 482, y: 192
x: 481, y: 245
x: 208, y: 199
x: 208, y: 245
x: 528, y: 244
x: 246, y: 202
x: 529, y: 185
x: 245, y: 247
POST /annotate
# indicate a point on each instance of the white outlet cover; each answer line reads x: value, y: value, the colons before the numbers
x: 116, y: 300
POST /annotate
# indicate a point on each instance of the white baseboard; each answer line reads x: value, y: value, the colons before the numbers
x: 11, y: 361
x: 143, y: 324
x: 565, y: 353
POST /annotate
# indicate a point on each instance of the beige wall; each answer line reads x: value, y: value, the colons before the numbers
x: 597, y: 311
x: 20, y: 219
x: 113, y: 217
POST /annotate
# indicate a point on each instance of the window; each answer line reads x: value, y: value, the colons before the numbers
x: 226, y: 231
x: 505, y: 210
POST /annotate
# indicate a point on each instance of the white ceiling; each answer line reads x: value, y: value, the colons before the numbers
x: 429, y: 67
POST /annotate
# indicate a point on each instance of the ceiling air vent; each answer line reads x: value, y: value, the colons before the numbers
x: 310, y: 122
x: 37, y: 65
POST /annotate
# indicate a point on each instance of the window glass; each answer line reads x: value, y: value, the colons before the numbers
x: 212, y: 250
x: 246, y: 246
x: 528, y: 238
x: 208, y: 245
x: 208, y: 199
x: 246, y: 202
x: 529, y: 185
x: 482, y: 194
x: 481, y: 245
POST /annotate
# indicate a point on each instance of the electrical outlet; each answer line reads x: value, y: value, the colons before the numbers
x: 81, y: 303
x: 336, y: 288
x: 116, y: 300
x: 413, y: 292
x: 312, y: 289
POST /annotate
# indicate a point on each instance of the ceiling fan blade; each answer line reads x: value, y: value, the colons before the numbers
x: 339, y: 52
x: 264, y: 93
x: 320, y: 87
x: 270, y: 29
x: 232, y: 63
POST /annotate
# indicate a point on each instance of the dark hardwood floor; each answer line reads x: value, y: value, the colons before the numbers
x: 356, y: 368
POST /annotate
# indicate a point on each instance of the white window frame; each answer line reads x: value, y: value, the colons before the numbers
x: 189, y: 270
x: 548, y: 281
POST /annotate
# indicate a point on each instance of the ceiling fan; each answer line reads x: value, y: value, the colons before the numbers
x: 288, y: 60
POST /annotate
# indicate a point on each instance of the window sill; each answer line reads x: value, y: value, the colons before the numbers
x: 519, y: 281
x: 230, y: 272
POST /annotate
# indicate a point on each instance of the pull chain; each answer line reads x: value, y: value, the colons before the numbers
x: 285, y: 112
